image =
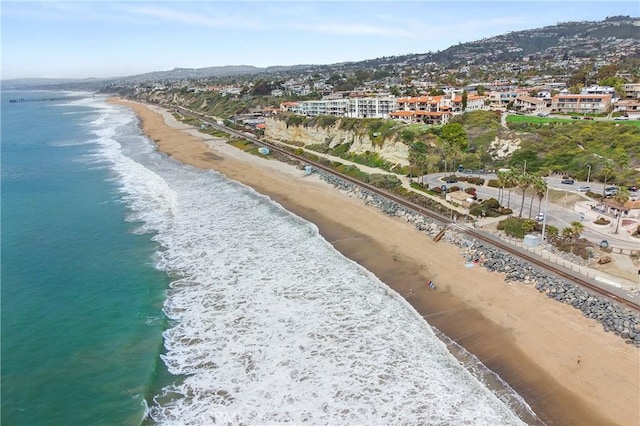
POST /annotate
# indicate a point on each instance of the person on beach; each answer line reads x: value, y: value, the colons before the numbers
x: 578, y: 360
x: 432, y: 286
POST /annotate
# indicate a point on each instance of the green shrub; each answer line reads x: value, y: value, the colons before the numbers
x: 325, y: 121
x: 513, y: 227
x: 421, y: 187
x: 475, y: 180
x: 601, y: 221
x: 295, y: 120
x: 347, y: 123
x: 491, y: 203
x: 340, y: 150
x: 384, y: 181
x: 493, y: 183
x: 593, y: 195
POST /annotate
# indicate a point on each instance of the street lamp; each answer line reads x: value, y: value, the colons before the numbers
x: 589, y: 173
x: 546, y: 204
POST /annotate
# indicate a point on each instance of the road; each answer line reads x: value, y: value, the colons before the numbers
x: 558, y: 215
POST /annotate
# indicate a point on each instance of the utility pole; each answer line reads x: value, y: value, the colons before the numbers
x: 589, y: 172
x: 544, y: 219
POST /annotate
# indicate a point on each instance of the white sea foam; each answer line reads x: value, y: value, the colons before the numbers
x: 271, y: 324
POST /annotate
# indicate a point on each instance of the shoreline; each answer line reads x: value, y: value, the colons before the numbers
x: 529, y: 340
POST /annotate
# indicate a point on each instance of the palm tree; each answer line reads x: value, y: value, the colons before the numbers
x: 524, y: 181
x: 576, y: 229
x: 567, y: 233
x: 502, y: 177
x: 421, y: 160
x: 540, y: 186
x: 607, y: 173
x: 552, y: 232
x: 510, y: 180
x: 620, y: 198
x: 412, y: 160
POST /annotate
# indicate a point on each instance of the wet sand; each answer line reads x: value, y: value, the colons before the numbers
x: 531, y: 341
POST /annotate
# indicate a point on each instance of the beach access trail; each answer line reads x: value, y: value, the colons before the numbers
x: 531, y: 341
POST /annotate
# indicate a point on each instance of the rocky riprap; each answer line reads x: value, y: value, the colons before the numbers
x: 388, y: 207
x: 614, y: 318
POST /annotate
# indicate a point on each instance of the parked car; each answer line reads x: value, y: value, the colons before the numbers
x: 584, y: 189
x: 633, y: 188
x: 452, y: 180
x: 604, y: 244
x: 540, y: 217
x: 588, y: 118
x: 610, y: 191
x: 567, y: 181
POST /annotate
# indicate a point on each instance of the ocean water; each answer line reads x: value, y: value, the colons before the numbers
x: 138, y: 290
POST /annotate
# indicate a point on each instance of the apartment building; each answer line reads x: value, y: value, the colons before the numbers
x: 500, y: 100
x: 420, y: 103
x: 420, y: 116
x: 632, y: 91
x: 529, y: 105
x: 337, y: 107
x: 582, y: 104
x: 476, y: 103
x: 598, y: 90
x: 371, y: 107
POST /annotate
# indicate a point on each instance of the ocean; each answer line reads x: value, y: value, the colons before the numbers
x: 136, y: 290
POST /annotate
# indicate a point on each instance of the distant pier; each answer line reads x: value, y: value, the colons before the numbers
x: 61, y: 98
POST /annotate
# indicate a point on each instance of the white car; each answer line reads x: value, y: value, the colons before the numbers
x: 584, y: 189
x: 540, y: 217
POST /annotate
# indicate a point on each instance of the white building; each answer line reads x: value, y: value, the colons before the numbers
x: 371, y: 107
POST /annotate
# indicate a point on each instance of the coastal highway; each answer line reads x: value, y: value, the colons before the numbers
x: 619, y: 297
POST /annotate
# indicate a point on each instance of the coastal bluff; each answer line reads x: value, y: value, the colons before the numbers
x: 391, y: 148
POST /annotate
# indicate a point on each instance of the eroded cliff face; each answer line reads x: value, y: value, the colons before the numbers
x: 391, y: 150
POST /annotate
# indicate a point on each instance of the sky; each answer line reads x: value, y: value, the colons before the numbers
x: 99, y: 39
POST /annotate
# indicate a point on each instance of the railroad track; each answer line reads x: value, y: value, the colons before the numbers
x: 445, y: 221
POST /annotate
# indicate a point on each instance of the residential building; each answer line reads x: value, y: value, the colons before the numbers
x: 420, y: 116
x: 371, y: 107
x: 583, y: 104
x: 529, y: 105
x: 337, y: 107
x: 288, y: 106
x: 632, y: 90
x: 598, y: 90
x: 476, y: 103
x: 627, y: 106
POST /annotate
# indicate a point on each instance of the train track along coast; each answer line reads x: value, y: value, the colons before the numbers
x: 557, y: 270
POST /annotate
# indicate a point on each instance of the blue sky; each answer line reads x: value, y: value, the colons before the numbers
x: 117, y: 38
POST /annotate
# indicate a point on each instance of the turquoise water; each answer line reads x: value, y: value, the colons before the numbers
x: 81, y: 298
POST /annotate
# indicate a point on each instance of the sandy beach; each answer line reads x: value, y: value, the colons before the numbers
x: 531, y: 341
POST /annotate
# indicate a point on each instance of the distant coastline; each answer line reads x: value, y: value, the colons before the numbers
x: 529, y: 340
